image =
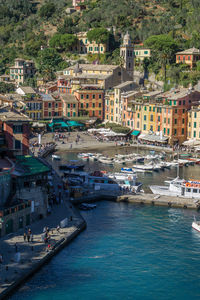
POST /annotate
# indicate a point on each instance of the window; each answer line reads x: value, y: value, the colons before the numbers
x: 74, y: 105
x: 87, y: 96
x: 183, y: 111
x: 158, y: 118
x: 138, y: 115
x: 195, y: 115
x: 151, y: 118
x: 99, y: 112
x: 49, y: 105
x: 168, y: 120
x: 111, y: 118
x: 194, y: 190
x: 74, y: 114
x: 159, y: 128
x: 87, y: 105
x: 99, y: 96
x: 17, y: 128
x: 195, y: 124
x: 128, y: 123
x: 188, y: 57
x: 145, y: 127
x: 153, y: 108
x: 175, y: 121
x: 68, y: 105
x: 164, y: 130
x: 168, y: 131
x: 175, y: 131
x: 174, y: 102
x: 194, y: 134
x: 49, y: 114
x: 164, y: 120
x: 93, y: 96
x: 81, y: 96
x: 145, y: 117
x: 81, y: 105
x: 17, y: 144
x: 149, y: 108
x: 183, y: 121
x: 93, y: 105
x: 182, y: 130
x: 188, y: 190
x: 175, y: 111
x: 146, y: 52
x: 138, y: 124
x: 183, y: 102
x: 179, y: 103
x: 68, y: 114
x: 56, y: 105
x: 151, y: 127
x: 99, y: 104
x: 145, y: 108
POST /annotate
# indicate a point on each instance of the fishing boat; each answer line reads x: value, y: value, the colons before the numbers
x: 179, y: 188
x: 128, y: 171
x: 196, y: 225
x: 106, y: 160
x: 55, y: 157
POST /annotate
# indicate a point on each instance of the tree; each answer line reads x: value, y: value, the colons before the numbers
x: 48, y: 62
x: 63, y: 41
x: 163, y: 49
x: 6, y: 87
x: 47, y: 10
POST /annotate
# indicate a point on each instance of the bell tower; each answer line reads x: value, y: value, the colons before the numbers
x: 127, y: 54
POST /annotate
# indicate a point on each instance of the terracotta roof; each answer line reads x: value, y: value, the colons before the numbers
x: 91, y: 67
x: 189, y: 51
x: 68, y: 98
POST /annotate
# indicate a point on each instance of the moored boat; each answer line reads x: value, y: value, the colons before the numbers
x: 196, y: 225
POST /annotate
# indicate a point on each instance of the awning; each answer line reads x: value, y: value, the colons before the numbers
x: 153, y: 138
x: 135, y: 132
x: 191, y: 142
x: 61, y: 124
x: 74, y: 123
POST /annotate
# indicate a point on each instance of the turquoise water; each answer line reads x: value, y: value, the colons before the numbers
x: 126, y: 252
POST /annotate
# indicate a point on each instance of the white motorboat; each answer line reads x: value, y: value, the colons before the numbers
x: 143, y: 167
x: 55, y: 157
x: 178, y: 188
x: 120, y: 161
x: 196, y: 225
x: 128, y: 171
x: 106, y: 160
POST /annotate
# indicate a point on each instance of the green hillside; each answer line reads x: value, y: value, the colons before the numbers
x: 27, y: 25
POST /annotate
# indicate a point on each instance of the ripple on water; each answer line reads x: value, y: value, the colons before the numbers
x: 127, y: 252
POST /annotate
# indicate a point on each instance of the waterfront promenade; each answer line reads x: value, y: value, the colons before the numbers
x: 34, y: 254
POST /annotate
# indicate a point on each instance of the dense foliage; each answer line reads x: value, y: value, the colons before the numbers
x: 27, y: 26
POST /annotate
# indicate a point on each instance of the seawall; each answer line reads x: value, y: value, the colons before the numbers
x: 64, y: 241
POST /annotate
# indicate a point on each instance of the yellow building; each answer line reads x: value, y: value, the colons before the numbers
x: 194, y: 123
x: 85, y: 46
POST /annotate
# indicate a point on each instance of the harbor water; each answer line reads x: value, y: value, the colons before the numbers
x: 127, y: 252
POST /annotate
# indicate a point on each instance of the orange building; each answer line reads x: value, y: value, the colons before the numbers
x: 189, y: 57
x: 52, y: 106
x: 91, y: 102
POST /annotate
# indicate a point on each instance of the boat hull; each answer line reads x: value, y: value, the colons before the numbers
x: 196, y: 226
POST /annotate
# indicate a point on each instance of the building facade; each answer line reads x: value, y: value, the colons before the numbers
x: 22, y: 70
x: 70, y: 105
x: 91, y: 102
x: 194, y: 123
x: 188, y: 57
x: 85, y: 46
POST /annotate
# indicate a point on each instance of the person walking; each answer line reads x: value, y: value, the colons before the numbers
x: 28, y: 237
x: 24, y: 236
x: 31, y: 237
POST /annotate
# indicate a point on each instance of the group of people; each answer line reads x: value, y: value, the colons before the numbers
x: 28, y: 236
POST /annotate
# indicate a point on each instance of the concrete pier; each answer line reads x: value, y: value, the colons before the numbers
x: 169, y: 201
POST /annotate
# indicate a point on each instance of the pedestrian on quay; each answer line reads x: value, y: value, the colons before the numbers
x: 58, y: 229
x: 28, y: 237
x: 16, y: 247
x: 24, y: 236
x: 71, y: 146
